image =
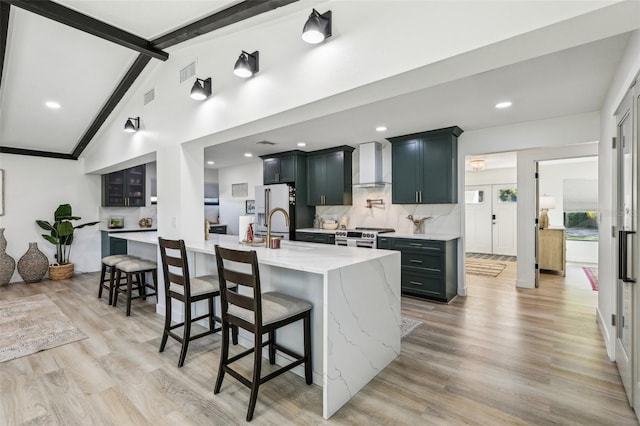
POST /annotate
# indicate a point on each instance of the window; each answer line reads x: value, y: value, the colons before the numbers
x: 581, y: 226
x: 580, y: 200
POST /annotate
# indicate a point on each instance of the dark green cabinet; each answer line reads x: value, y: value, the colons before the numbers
x: 428, y: 267
x: 280, y: 168
x: 111, y: 246
x: 316, y: 237
x: 124, y: 188
x: 329, y: 181
x: 424, y: 167
x: 218, y: 229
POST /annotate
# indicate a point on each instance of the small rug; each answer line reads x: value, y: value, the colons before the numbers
x: 408, y: 325
x: 592, y: 275
x: 33, y: 324
x: 488, y: 269
x: 485, y: 256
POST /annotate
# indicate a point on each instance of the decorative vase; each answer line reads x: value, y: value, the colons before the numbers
x: 7, y: 264
x: 33, y: 264
x: 61, y: 272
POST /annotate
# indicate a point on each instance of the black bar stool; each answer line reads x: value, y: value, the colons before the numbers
x: 139, y: 269
x: 108, y: 264
x: 257, y: 313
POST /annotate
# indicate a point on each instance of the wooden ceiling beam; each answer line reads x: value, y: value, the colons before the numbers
x: 231, y: 15
x: 36, y: 153
x: 5, y: 9
x: 82, y: 22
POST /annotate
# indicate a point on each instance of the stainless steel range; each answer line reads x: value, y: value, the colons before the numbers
x: 360, y: 237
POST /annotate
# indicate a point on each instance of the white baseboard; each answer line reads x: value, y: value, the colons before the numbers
x: 604, y: 329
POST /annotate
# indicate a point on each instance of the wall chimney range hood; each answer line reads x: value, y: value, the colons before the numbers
x: 370, y: 165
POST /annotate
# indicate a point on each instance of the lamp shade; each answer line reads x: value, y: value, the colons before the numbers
x: 476, y: 165
x: 132, y: 124
x: 201, y: 89
x: 317, y: 28
x: 547, y: 202
x: 247, y: 64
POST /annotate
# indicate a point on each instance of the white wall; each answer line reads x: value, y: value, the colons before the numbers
x: 211, y: 213
x: 34, y: 187
x: 627, y: 70
x: 233, y: 207
x: 491, y: 176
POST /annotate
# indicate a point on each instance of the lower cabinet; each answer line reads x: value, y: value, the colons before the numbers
x: 428, y: 267
x: 111, y: 246
x: 218, y: 229
x: 316, y: 237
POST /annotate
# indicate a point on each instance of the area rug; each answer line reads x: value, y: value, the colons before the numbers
x: 408, y: 325
x: 592, y: 275
x: 488, y: 269
x: 33, y: 324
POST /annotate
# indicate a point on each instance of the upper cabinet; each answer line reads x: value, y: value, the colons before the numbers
x: 329, y: 177
x: 124, y: 188
x: 425, y: 167
x: 282, y: 168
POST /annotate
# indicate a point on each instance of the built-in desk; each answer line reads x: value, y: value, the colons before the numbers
x: 355, y: 294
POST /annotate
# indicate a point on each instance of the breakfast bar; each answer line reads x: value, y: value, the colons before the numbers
x: 355, y: 294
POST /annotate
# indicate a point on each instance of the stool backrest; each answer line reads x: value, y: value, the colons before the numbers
x: 174, y: 264
x: 239, y: 267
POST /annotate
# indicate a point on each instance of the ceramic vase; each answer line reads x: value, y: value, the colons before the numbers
x: 33, y: 264
x: 7, y: 264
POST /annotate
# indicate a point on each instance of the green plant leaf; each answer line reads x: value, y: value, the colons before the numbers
x: 85, y: 224
x: 62, y: 211
x: 51, y: 239
x: 65, y: 228
x: 44, y: 225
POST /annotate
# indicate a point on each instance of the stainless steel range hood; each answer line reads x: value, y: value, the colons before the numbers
x: 370, y: 165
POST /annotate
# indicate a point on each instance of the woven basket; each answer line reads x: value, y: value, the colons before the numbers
x: 61, y: 272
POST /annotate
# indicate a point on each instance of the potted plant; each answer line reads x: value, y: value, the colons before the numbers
x: 61, y: 236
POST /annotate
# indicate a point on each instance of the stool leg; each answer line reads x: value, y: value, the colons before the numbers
x: 112, y: 272
x: 234, y: 334
x: 224, y: 356
x: 308, y: 367
x: 167, y: 319
x: 142, y: 289
x: 129, y: 278
x: 187, y: 333
x: 272, y: 347
x: 102, y: 274
x: 116, y: 286
x: 212, y: 314
x: 257, y: 365
x: 154, y: 276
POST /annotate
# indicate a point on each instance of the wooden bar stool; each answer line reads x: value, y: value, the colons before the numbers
x: 257, y: 313
x: 108, y: 264
x: 139, y: 269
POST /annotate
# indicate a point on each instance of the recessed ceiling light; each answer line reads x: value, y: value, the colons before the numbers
x: 501, y: 105
x: 211, y: 162
x: 248, y: 154
x: 381, y: 129
x: 301, y: 144
x: 52, y: 105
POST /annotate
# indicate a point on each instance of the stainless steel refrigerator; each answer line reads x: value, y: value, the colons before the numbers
x: 269, y: 197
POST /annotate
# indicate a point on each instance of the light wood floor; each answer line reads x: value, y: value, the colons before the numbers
x: 498, y: 356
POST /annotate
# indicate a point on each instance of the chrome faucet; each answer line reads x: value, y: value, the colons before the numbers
x: 286, y: 217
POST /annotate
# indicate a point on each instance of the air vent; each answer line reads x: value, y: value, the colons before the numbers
x: 188, y: 72
x: 265, y: 143
x: 149, y: 96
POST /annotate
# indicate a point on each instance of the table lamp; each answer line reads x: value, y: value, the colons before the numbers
x: 546, y: 202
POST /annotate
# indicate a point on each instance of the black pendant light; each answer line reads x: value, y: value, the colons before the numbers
x: 317, y: 28
x: 201, y: 89
x: 132, y: 124
x: 247, y: 64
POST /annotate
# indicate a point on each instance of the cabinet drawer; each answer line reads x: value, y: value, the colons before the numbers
x: 316, y: 238
x: 423, y: 285
x: 427, y: 261
x: 431, y: 245
x: 384, y: 243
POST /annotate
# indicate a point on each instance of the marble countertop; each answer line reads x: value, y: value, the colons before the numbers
x: 128, y: 229
x: 295, y: 255
x: 430, y: 236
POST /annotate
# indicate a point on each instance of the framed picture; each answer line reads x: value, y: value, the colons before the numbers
x: 239, y: 190
x: 1, y: 192
x: 250, y: 206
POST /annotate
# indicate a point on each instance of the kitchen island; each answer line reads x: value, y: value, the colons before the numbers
x: 355, y: 295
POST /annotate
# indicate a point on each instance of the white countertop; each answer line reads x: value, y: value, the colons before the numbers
x: 128, y: 229
x: 295, y: 255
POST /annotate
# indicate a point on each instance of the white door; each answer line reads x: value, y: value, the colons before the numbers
x: 626, y: 164
x: 477, y: 201
x: 505, y: 218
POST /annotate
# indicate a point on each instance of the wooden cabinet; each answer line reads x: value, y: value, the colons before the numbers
x: 552, y: 250
x: 316, y: 237
x: 329, y: 177
x: 428, y: 267
x: 124, y: 188
x: 282, y: 167
x: 424, y: 167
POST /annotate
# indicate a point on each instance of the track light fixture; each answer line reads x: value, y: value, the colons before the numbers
x: 201, y: 89
x: 317, y: 28
x: 247, y: 64
x: 132, y: 124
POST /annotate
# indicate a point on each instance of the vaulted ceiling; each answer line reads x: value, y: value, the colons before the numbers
x: 83, y: 56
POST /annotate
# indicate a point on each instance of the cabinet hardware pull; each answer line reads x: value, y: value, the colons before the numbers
x: 415, y: 261
x: 415, y: 244
x: 420, y: 196
x: 415, y: 282
x: 277, y: 177
x: 416, y: 196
